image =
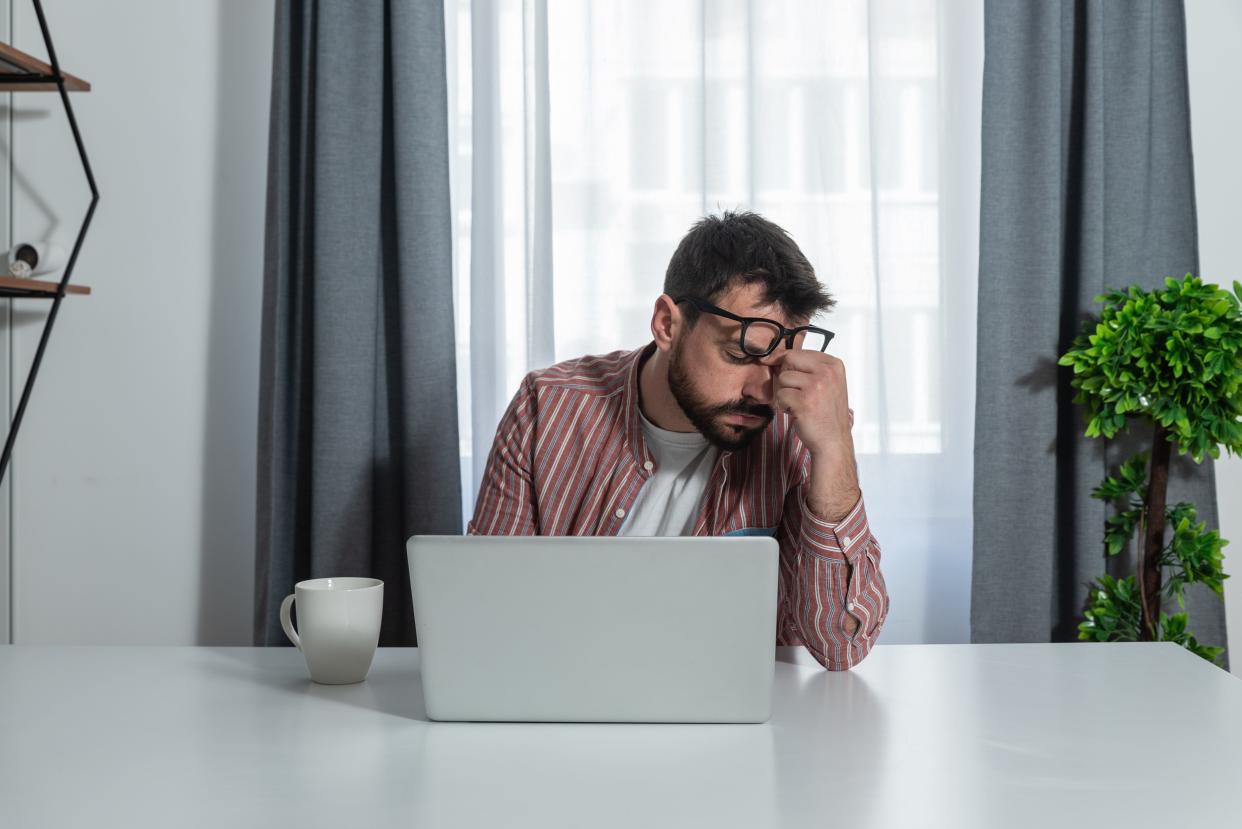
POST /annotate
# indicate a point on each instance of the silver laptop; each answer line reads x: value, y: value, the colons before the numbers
x: 595, y: 629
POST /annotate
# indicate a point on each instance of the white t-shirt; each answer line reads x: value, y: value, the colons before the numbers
x: 668, y: 503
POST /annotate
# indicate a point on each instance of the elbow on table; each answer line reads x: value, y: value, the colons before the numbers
x: 847, y: 658
x: 836, y: 656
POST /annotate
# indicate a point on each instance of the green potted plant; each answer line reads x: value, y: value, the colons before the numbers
x: 1171, y: 358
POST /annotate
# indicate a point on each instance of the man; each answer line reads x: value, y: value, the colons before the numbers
x: 733, y: 421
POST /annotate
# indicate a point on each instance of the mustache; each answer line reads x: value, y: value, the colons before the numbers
x: 742, y: 407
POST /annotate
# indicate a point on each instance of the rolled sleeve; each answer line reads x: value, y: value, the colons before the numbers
x: 837, y: 598
x: 845, y: 539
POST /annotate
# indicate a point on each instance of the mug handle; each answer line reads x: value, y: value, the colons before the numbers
x: 287, y: 623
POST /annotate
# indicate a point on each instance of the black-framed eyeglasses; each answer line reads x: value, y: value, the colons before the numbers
x: 759, y: 335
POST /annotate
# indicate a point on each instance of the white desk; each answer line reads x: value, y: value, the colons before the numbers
x: 994, y: 736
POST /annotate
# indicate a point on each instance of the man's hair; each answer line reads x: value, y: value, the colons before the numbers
x: 741, y: 247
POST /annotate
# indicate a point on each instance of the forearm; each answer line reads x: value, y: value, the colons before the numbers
x: 832, y: 490
x: 504, y: 505
x: 840, y: 599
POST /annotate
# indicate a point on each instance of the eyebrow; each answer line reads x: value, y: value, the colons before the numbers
x: 726, y: 327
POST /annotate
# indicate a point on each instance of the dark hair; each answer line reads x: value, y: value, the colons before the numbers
x: 743, y: 247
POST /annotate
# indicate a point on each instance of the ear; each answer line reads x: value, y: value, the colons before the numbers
x: 666, y: 322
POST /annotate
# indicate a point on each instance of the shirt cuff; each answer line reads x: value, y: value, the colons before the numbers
x: 845, y: 539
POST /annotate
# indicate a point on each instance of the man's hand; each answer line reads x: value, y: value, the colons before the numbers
x: 810, y: 386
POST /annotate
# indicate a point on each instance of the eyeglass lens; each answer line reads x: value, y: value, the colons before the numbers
x: 761, y: 336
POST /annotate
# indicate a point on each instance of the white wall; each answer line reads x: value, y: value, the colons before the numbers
x: 1214, y: 29
x: 133, y: 484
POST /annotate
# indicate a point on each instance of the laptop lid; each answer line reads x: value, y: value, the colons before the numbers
x: 595, y: 629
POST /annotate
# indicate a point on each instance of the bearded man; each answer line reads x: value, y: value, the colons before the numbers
x: 734, y: 421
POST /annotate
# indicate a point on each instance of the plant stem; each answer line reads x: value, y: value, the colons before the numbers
x: 1153, y: 536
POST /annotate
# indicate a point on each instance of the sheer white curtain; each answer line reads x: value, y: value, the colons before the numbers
x: 590, y: 134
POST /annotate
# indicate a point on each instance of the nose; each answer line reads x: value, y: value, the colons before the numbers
x: 758, y: 385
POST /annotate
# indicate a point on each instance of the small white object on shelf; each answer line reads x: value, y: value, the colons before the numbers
x: 29, y: 259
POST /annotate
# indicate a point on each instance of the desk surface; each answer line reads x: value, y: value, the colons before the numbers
x: 934, y: 735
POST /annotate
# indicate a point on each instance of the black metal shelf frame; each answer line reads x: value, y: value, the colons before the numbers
x: 58, y: 78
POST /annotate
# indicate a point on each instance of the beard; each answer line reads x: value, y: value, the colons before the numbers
x: 706, y: 416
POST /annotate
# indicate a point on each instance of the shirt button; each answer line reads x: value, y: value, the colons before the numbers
x: 846, y: 541
x: 648, y: 466
x: 620, y: 513
x: 849, y: 605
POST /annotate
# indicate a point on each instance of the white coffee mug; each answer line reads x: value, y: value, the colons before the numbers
x: 338, y: 626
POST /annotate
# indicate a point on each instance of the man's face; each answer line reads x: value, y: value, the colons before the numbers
x: 725, y: 393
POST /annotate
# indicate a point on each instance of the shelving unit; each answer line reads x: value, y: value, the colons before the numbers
x: 22, y: 72
x: 13, y: 286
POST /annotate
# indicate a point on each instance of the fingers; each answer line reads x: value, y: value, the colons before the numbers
x: 818, y: 376
x: 807, y: 375
x: 810, y: 361
x: 792, y: 380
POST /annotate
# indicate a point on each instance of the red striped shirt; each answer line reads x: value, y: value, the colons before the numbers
x: 569, y: 459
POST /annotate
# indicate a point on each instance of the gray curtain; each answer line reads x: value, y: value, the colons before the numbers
x: 358, y: 415
x: 1087, y: 184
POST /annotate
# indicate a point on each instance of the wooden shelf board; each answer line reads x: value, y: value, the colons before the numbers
x: 15, y: 63
x: 37, y: 286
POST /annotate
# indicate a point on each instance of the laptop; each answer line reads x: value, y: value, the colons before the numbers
x: 595, y: 629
